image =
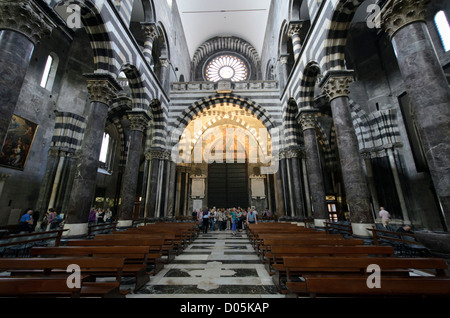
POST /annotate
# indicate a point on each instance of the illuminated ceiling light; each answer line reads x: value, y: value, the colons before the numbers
x: 226, y: 67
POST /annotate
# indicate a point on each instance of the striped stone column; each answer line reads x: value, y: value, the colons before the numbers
x: 307, y: 119
x: 151, y: 34
x: 294, y: 32
x: 427, y: 86
x: 22, y: 25
x: 102, y: 89
x: 336, y: 85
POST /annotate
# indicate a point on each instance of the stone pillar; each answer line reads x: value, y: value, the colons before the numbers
x: 283, y: 70
x: 279, y: 193
x: 335, y: 84
x: 165, y: 73
x: 307, y: 120
x: 294, y: 32
x: 22, y: 25
x: 398, y: 185
x: 427, y: 86
x: 151, y: 34
x: 171, y: 189
x: 370, y: 180
x: 138, y: 124
x: 102, y: 89
x: 295, y: 181
x: 153, y: 198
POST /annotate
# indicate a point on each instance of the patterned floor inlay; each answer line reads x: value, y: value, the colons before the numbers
x: 216, y: 264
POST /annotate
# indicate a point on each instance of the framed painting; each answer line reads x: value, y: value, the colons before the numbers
x: 18, y: 141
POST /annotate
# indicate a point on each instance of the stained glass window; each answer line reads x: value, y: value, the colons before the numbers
x: 226, y: 67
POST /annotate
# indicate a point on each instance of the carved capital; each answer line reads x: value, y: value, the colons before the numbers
x: 25, y: 17
x: 336, y: 84
x: 284, y: 59
x: 396, y: 14
x: 164, y: 62
x: 150, y: 31
x: 294, y: 153
x: 138, y: 120
x: 103, y: 88
x: 296, y: 28
x: 157, y: 154
x: 307, y: 119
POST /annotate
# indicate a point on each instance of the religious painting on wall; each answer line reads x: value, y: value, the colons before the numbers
x: 18, y: 141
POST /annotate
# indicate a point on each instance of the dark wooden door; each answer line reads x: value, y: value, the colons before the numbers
x: 227, y: 185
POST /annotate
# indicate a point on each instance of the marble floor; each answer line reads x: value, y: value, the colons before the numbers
x: 217, y: 264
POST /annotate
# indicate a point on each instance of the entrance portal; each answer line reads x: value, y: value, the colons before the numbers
x: 227, y: 185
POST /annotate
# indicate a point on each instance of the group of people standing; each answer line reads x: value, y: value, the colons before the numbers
x: 98, y: 216
x: 233, y: 219
x: 50, y: 221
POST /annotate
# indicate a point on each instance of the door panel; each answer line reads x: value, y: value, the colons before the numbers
x: 227, y: 185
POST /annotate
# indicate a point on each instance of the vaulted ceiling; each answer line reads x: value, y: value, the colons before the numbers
x: 205, y: 19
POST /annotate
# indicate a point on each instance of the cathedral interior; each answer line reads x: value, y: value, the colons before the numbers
x: 316, y: 110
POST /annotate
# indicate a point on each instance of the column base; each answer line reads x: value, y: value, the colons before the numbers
x: 360, y: 229
x: 77, y: 229
x: 320, y: 223
x: 124, y: 223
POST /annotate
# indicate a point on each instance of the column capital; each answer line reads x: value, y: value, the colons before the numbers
x: 296, y: 27
x: 336, y: 84
x: 397, y: 14
x: 307, y: 118
x: 283, y: 58
x: 164, y: 61
x: 138, y: 120
x: 157, y: 154
x: 25, y: 17
x: 103, y: 88
x: 150, y: 30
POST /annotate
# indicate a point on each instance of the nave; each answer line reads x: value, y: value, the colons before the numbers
x: 216, y: 265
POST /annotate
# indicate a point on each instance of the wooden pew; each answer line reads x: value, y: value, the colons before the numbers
x: 294, y: 267
x: 278, y: 252
x: 398, y: 240
x: 295, y: 236
x: 155, y: 248
x: 38, y: 287
x: 345, y: 229
x: 267, y: 244
x: 102, y: 227
x: 344, y: 286
x: 24, y: 241
x: 57, y: 268
x: 170, y: 248
x: 135, y: 264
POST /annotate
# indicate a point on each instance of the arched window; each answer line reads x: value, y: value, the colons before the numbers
x: 106, y: 154
x: 443, y: 28
x: 49, y: 74
x: 105, y: 147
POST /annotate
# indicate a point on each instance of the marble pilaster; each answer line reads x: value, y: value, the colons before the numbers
x: 427, y: 86
x: 336, y: 85
x: 102, y: 89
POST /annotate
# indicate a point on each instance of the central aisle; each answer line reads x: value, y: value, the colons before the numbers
x: 216, y: 264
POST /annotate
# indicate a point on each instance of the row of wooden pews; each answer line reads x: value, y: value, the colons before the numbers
x: 135, y: 252
x: 310, y: 263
